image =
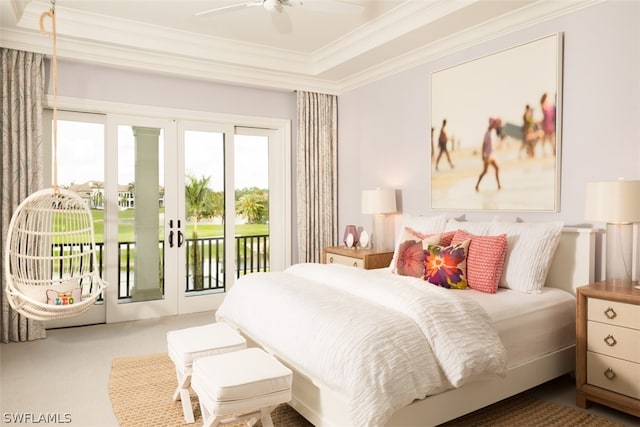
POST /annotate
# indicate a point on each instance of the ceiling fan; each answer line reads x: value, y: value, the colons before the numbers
x: 269, y: 5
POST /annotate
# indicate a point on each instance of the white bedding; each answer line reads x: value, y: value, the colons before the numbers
x: 530, y: 325
x: 381, y: 339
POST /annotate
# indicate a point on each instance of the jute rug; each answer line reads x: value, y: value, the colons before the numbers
x: 141, y: 390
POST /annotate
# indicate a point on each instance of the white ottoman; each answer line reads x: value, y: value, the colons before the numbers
x: 243, y: 385
x: 187, y: 345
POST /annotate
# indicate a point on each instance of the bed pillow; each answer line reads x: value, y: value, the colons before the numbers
x: 66, y: 293
x: 446, y: 266
x: 530, y: 250
x: 406, y: 254
x: 409, y: 234
x: 485, y: 260
x: 479, y: 228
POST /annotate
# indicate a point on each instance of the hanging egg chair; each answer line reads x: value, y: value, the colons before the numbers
x: 50, y: 255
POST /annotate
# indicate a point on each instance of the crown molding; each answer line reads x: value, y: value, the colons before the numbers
x: 153, y: 49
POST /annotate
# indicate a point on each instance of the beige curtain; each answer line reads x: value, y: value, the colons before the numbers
x: 23, y: 81
x: 317, y: 176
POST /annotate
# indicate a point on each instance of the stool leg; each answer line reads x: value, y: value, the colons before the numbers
x: 266, y: 416
x: 187, y: 410
x: 183, y: 382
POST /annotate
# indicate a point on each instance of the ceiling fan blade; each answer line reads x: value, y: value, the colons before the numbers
x: 230, y: 8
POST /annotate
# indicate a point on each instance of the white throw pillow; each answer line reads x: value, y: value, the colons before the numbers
x: 473, y: 227
x: 530, y: 250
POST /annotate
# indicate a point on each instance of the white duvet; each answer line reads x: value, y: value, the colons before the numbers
x: 381, y: 340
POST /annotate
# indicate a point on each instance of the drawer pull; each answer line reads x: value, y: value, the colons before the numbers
x: 609, y: 374
x: 355, y: 264
x: 610, y: 313
x: 330, y: 260
x: 610, y: 341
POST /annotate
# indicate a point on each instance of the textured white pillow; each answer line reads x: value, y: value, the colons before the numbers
x: 530, y: 250
x: 474, y: 227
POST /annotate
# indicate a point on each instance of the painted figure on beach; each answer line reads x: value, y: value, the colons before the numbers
x: 548, y: 122
x: 488, y: 159
x: 443, y: 138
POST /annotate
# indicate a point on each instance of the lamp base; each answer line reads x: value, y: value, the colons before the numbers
x: 619, y: 254
x: 379, y: 232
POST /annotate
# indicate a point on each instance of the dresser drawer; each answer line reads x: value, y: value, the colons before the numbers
x: 344, y: 260
x: 613, y: 374
x: 616, y: 341
x: 614, y: 313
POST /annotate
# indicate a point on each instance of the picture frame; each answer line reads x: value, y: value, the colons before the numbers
x: 499, y: 151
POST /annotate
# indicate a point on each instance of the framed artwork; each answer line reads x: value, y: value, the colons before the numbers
x: 496, y: 130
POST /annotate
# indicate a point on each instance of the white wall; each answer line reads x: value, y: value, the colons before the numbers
x: 384, y: 127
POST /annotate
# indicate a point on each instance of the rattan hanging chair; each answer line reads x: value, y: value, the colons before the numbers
x: 51, y: 256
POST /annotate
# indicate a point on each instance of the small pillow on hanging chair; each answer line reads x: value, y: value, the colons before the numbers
x: 69, y: 293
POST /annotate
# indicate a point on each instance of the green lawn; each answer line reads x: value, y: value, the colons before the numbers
x: 125, y: 228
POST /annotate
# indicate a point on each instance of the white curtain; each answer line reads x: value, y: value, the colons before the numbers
x: 317, y: 176
x: 23, y: 81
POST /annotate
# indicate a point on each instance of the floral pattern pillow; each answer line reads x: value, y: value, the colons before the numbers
x: 410, y: 260
x: 446, y: 266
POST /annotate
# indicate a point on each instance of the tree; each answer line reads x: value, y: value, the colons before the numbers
x: 199, y: 203
x: 253, y: 206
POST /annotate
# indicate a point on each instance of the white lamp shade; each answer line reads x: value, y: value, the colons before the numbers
x: 378, y: 201
x: 613, y: 201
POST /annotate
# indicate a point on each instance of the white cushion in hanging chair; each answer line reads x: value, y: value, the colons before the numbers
x: 51, y: 248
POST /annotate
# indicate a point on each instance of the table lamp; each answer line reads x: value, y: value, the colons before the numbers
x: 379, y: 202
x: 618, y: 204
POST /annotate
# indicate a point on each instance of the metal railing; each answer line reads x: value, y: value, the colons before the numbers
x: 205, y: 269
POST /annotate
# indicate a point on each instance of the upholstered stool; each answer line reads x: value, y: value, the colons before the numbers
x: 187, y: 345
x: 243, y: 385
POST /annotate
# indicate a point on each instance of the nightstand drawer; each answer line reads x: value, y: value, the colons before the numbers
x: 344, y: 260
x: 614, y: 341
x: 613, y: 374
x: 614, y: 313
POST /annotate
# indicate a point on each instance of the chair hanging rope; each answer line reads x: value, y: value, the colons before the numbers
x: 51, y: 258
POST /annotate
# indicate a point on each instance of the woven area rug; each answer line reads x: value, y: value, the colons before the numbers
x: 141, y: 390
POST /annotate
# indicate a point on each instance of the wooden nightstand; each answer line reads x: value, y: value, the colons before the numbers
x: 361, y: 258
x: 608, y: 347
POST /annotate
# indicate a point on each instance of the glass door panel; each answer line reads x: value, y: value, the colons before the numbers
x: 252, y: 203
x: 80, y: 168
x: 137, y: 192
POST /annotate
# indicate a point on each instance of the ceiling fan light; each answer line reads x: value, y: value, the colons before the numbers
x: 271, y: 5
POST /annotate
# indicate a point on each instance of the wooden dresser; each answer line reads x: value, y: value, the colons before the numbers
x: 608, y: 347
x: 356, y: 257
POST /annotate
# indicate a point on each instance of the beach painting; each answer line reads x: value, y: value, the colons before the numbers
x: 496, y: 130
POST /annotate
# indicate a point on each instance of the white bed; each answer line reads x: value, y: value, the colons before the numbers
x: 537, y: 332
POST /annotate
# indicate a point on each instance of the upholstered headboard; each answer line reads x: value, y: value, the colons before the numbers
x: 574, y: 260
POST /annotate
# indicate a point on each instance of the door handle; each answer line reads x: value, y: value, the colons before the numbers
x: 171, y: 238
x: 180, y: 238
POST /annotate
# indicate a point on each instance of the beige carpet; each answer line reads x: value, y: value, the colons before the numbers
x: 141, y: 390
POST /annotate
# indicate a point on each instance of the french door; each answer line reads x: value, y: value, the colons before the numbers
x: 186, y: 207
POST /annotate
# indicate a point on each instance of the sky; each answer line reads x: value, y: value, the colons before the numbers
x: 81, y: 158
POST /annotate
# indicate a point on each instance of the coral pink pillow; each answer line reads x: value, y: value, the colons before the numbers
x: 447, y: 237
x: 485, y: 260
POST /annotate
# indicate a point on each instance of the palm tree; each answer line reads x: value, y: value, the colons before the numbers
x: 253, y: 206
x: 198, y: 200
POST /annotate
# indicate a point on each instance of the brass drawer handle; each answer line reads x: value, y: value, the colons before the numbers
x: 355, y: 264
x: 610, y: 313
x: 609, y: 374
x: 610, y: 341
x: 330, y: 260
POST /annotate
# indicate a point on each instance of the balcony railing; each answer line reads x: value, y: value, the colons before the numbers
x: 204, y: 262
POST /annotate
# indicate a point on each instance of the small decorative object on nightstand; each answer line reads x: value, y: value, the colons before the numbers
x: 350, y: 238
x: 608, y: 347
x: 361, y: 258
